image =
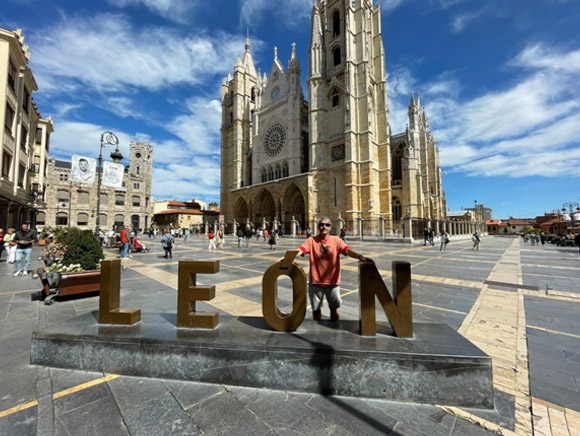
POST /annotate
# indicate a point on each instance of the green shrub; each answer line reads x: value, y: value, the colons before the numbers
x: 65, y: 235
x: 83, y: 248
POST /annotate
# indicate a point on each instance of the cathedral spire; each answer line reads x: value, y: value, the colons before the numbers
x: 248, y: 60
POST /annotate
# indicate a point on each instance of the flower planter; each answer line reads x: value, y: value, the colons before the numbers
x: 74, y: 283
x: 42, y: 242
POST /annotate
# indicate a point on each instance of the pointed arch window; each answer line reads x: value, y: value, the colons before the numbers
x: 398, y: 164
x: 335, y: 23
x: 278, y: 172
x: 396, y: 209
x: 270, y: 174
x: 335, y: 97
x: 336, y: 56
x: 285, y: 171
x: 264, y: 175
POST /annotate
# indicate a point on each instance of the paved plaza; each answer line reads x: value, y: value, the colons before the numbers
x: 518, y: 303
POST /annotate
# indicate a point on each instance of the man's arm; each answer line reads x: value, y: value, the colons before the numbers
x: 352, y: 253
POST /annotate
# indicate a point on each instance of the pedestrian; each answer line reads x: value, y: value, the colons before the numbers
x: 211, y: 238
x: 220, y: 238
x: 10, y: 245
x: 425, y: 237
x: 125, y: 240
x: 240, y: 235
x: 431, y: 237
x: 308, y: 232
x: 248, y: 236
x: 324, y: 251
x: 24, y: 239
x: 2, y: 235
x: 272, y: 240
x: 167, y: 242
x: 343, y: 234
x: 444, y: 240
x: 476, y: 241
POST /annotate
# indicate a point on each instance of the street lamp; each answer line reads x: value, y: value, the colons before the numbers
x: 107, y: 138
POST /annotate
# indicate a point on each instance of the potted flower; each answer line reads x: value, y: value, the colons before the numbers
x: 72, y: 265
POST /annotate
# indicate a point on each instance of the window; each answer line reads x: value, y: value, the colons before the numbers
x: 6, y: 161
x: 83, y: 197
x: 83, y: 219
x: 119, y: 199
x: 38, y: 137
x: 21, y: 174
x: 40, y: 219
x: 335, y: 97
x: 61, y: 219
x: 277, y: 172
x: 138, y: 170
x: 264, y: 175
x: 104, y: 199
x: 63, y: 177
x: 12, y: 75
x: 136, y: 201
x: 47, y: 142
x: 62, y: 196
x: 396, y: 209
x: 135, y: 185
x: 102, y: 220
x: 335, y: 24
x: 25, y: 100
x: 285, y: 170
x: 336, y: 56
x: 23, y: 137
x: 397, y: 164
x: 9, y: 118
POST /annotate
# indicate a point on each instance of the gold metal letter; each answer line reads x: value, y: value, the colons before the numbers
x: 278, y: 320
x: 188, y: 293
x: 110, y: 296
x: 399, y: 309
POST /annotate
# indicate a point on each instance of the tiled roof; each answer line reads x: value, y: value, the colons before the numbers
x: 182, y: 211
x: 492, y: 222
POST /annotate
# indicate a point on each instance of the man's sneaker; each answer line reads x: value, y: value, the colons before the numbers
x: 334, y: 315
x: 25, y: 273
x: 317, y: 315
x: 16, y: 274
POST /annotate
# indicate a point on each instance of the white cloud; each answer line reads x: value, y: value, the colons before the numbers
x: 175, y: 10
x: 107, y: 53
x: 199, y: 178
x: 460, y: 22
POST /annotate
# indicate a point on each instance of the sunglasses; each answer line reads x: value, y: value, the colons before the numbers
x: 324, y: 225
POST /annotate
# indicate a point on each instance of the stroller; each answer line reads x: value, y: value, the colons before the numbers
x: 138, y: 246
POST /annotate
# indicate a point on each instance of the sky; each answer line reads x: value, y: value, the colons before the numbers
x: 498, y: 80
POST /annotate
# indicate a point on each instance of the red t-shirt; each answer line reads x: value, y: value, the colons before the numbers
x: 210, y: 235
x: 124, y: 237
x: 324, y: 259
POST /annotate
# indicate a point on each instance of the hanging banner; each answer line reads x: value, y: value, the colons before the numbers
x: 83, y: 169
x: 113, y: 174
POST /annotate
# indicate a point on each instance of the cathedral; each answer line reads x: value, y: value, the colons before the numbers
x: 287, y: 161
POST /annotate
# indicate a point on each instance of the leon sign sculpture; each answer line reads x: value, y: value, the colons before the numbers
x: 397, y: 308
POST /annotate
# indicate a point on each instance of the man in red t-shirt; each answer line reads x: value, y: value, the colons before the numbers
x: 325, y: 251
x: 124, y: 244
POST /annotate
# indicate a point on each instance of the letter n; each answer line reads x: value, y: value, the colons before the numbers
x: 399, y: 309
x: 188, y: 293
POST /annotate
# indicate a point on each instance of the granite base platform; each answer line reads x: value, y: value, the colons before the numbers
x: 437, y: 366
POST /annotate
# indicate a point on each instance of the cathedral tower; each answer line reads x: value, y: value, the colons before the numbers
x: 348, y: 114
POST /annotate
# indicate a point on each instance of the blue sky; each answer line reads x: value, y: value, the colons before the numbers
x: 498, y: 79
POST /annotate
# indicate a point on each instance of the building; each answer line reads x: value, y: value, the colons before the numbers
x: 286, y: 161
x: 25, y: 136
x: 493, y: 226
x: 75, y: 204
x: 481, y: 211
x: 184, y: 214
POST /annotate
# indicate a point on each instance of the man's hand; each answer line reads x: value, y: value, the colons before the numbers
x: 361, y: 258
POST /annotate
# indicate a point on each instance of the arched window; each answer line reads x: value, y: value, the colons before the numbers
x: 253, y: 94
x: 270, y: 174
x: 138, y: 170
x: 104, y: 200
x: 40, y: 218
x: 62, y: 196
x: 398, y: 164
x: 396, y: 209
x: 335, y: 23
x: 277, y: 172
x: 83, y: 219
x: 335, y: 97
x: 83, y: 197
x: 119, y: 222
x: 119, y: 199
x: 285, y: 171
x: 336, y: 56
x: 136, y: 201
x: 62, y: 219
x: 264, y: 175
x: 102, y: 220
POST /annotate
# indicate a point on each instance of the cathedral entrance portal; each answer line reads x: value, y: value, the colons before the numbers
x: 264, y: 208
x: 241, y: 212
x: 293, y: 207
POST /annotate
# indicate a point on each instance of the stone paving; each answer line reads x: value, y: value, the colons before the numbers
x: 518, y: 303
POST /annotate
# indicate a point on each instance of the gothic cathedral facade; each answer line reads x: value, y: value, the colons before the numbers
x: 288, y: 160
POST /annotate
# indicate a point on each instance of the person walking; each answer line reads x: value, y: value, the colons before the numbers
x: 240, y: 235
x: 425, y: 237
x: 167, y: 241
x: 220, y: 238
x: 10, y: 245
x: 272, y: 240
x: 324, y: 276
x: 476, y: 240
x: 444, y: 240
x: 431, y: 237
x: 343, y: 234
x: 2, y: 235
x: 211, y: 238
x: 248, y: 236
x: 124, y: 238
x: 24, y: 239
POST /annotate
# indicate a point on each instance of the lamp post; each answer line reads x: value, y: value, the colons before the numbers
x: 107, y: 138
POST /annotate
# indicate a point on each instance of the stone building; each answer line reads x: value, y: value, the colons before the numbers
x: 286, y: 161
x: 192, y: 215
x: 25, y: 136
x: 75, y: 204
